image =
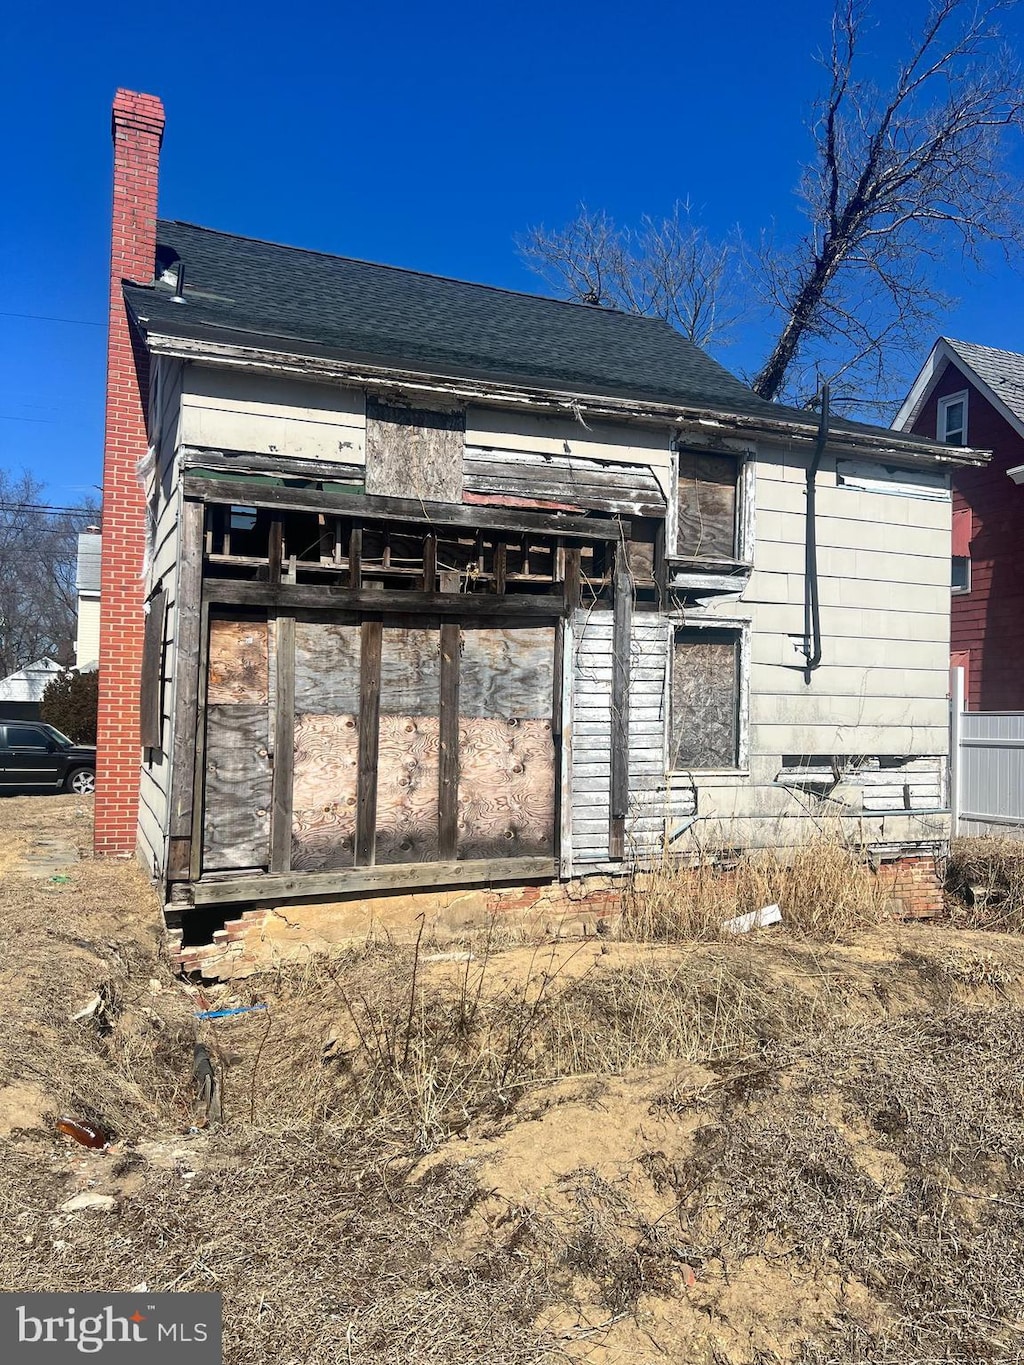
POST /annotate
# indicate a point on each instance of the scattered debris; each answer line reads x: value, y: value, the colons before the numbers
x: 753, y: 919
x: 102, y: 1203
x: 207, y: 1089
x: 224, y: 1014
x: 82, y: 1130
x: 89, y: 1009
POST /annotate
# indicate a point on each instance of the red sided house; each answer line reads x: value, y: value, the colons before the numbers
x: 454, y: 600
x: 974, y: 395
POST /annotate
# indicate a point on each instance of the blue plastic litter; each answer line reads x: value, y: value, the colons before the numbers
x: 224, y: 1014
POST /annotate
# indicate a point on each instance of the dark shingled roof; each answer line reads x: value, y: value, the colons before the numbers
x: 246, y: 292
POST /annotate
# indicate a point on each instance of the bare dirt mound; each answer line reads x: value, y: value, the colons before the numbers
x: 766, y: 1150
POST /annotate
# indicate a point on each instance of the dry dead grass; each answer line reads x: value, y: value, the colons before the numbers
x: 826, y: 888
x: 985, y: 878
x: 784, y: 1147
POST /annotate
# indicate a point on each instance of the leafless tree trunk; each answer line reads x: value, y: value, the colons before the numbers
x: 38, y: 561
x: 903, y: 181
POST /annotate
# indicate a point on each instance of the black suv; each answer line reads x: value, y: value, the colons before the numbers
x: 36, y: 757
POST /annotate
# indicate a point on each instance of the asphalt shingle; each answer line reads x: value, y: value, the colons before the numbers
x: 1002, y: 371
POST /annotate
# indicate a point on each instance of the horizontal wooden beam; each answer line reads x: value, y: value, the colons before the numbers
x: 242, y: 493
x: 263, y: 887
x: 238, y: 592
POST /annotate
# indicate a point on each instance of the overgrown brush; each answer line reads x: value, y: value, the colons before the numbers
x: 825, y: 888
x: 985, y: 878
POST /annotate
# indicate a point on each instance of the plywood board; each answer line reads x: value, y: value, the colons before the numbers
x: 705, y: 680
x: 414, y: 453
x: 236, y: 825
x: 407, y: 789
x: 410, y: 672
x: 506, y: 788
x: 507, y: 673
x: 326, y: 758
x: 326, y: 668
x: 239, y: 670
x: 707, y: 506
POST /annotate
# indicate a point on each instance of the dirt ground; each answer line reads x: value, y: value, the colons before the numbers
x: 772, y: 1149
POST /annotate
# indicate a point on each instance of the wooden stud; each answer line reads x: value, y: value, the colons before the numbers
x: 275, y: 550
x: 573, y: 579
x: 199, y: 758
x: 355, y: 556
x: 500, y: 567
x: 621, y: 637
x: 296, y: 596
x: 448, y: 766
x: 430, y: 563
x: 284, y: 746
x: 186, y: 691
x: 369, y: 739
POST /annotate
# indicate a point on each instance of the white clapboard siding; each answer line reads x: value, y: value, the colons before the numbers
x: 652, y: 808
x: 224, y: 410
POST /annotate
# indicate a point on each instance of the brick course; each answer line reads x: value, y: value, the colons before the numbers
x: 137, y: 126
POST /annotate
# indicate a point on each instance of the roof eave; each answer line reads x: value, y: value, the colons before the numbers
x: 930, y: 373
x: 235, y: 355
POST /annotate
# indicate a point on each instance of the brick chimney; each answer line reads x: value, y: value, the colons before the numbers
x: 137, y: 126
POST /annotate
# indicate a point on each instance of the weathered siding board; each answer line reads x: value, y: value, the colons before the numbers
x: 623, y: 442
x: 599, y: 485
x: 237, y: 805
x: 650, y: 807
x: 227, y: 410
x: 414, y: 452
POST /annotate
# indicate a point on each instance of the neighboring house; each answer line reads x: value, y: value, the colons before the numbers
x: 460, y: 599
x: 969, y: 395
x: 87, y: 585
x: 21, y: 692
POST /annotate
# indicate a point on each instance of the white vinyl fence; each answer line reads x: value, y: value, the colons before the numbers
x: 987, y: 767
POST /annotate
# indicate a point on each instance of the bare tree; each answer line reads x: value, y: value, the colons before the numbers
x: 904, y: 179
x: 38, y: 560
x: 667, y: 268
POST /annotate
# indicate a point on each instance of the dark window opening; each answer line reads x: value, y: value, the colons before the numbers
x: 704, y: 726
x: 961, y: 577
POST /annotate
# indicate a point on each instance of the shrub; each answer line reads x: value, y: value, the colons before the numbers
x: 70, y: 703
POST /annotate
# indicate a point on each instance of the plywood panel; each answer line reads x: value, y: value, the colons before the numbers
x: 414, y: 453
x: 507, y: 673
x: 238, y: 663
x: 506, y: 788
x: 410, y: 672
x: 707, y: 506
x: 407, y: 789
x: 326, y: 757
x: 236, y: 825
x: 326, y: 668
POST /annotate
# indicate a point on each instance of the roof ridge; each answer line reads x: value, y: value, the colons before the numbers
x: 426, y: 274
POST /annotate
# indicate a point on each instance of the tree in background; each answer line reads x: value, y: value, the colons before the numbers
x: 70, y: 703
x: 902, y: 179
x: 38, y: 561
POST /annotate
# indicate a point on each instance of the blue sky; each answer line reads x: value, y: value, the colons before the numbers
x: 426, y: 136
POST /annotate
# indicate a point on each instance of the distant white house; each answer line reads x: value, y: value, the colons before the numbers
x: 21, y: 692
x: 87, y: 583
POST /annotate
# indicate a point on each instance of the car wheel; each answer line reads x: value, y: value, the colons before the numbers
x: 82, y: 781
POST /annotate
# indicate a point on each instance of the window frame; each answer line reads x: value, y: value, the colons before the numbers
x: 739, y: 628
x: 686, y: 570
x: 941, y: 413
x: 957, y: 591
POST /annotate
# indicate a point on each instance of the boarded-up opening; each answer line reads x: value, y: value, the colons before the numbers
x: 704, y: 727
x: 414, y: 452
x: 707, y: 506
x: 150, y: 691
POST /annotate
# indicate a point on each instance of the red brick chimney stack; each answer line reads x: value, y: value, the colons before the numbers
x: 138, y: 126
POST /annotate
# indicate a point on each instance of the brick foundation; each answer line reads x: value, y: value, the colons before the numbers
x: 137, y: 124
x: 262, y: 939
